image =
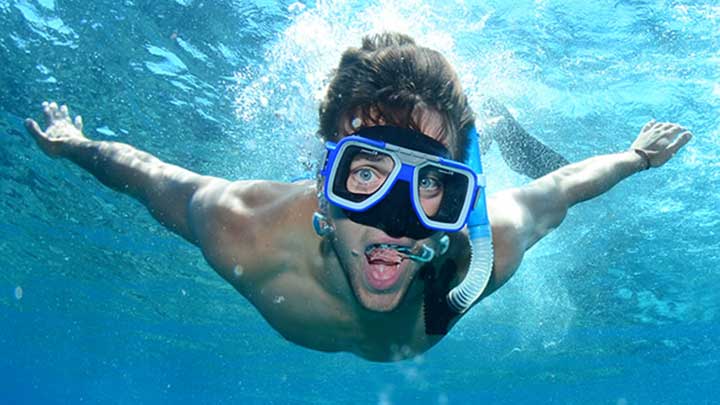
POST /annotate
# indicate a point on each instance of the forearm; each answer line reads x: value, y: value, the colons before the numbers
x: 163, y: 188
x: 116, y: 165
x: 589, y: 178
x: 539, y: 207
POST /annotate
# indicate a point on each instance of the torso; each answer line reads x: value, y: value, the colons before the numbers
x: 304, y: 295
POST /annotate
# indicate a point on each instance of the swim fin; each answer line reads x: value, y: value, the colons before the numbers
x: 522, y: 152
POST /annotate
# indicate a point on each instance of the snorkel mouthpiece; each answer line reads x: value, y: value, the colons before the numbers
x: 426, y: 253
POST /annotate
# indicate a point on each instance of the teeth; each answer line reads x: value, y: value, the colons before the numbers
x: 398, y: 248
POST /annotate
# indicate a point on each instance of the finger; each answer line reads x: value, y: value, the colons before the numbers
x: 54, y: 110
x: 648, y: 125
x: 79, y: 123
x: 34, y: 129
x: 665, y: 131
x: 47, y: 111
x: 674, y: 130
x: 680, y: 142
x: 64, y: 111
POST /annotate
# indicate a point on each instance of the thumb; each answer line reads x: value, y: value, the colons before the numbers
x: 34, y: 129
x: 680, y: 142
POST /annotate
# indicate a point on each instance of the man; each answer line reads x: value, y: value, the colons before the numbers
x: 371, y: 258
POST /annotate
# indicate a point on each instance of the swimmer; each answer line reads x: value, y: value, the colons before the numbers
x: 396, y: 240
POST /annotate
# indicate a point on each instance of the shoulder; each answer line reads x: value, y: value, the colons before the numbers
x: 249, y: 194
x: 252, y: 200
x: 506, y: 221
x: 250, y: 221
x: 506, y: 215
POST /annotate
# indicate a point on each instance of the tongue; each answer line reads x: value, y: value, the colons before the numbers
x: 383, y: 268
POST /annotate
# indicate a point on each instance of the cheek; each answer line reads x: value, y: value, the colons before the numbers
x: 431, y: 206
x: 346, y: 231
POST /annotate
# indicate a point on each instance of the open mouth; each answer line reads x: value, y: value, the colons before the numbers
x: 383, y: 264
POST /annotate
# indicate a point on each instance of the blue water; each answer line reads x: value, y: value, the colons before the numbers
x: 100, y: 304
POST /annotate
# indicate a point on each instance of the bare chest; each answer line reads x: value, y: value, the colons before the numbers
x: 305, y: 314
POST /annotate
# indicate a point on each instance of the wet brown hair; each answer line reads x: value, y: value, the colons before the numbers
x: 390, y: 78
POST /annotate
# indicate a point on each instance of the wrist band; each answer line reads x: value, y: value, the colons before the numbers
x: 645, y: 157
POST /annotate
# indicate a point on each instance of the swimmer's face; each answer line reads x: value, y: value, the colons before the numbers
x: 380, y: 277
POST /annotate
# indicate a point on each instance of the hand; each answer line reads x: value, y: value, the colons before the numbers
x: 60, y: 132
x: 661, y: 141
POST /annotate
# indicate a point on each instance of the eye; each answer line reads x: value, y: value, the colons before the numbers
x: 364, y: 174
x: 364, y: 180
x: 430, y: 184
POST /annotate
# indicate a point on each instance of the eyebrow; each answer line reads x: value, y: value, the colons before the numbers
x: 372, y: 156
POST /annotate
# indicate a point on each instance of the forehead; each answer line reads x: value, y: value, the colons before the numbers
x: 426, y: 120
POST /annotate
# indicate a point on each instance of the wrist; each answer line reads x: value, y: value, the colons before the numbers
x: 69, y: 148
x: 642, y: 157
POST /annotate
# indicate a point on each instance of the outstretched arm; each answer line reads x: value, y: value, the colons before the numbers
x: 249, y: 228
x: 166, y: 190
x: 525, y: 215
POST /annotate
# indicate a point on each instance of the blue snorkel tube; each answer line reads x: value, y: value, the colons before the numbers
x: 471, y: 288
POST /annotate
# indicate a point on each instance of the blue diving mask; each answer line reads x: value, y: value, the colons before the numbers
x: 400, y: 181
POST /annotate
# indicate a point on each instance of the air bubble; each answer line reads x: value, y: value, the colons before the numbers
x: 296, y: 7
x: 384, y: 399
x: 279, y: 299
x: 238, y: 270
x: 18, y: 293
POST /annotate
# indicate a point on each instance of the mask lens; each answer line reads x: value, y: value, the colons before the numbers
x: 441, y: 193
x: 361, y: 173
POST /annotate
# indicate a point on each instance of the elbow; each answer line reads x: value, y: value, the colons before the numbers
x: 554, y: 221
x: 556, y: 207
x: 559, y: 210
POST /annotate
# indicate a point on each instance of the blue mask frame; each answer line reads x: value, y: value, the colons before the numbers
x: 407, y: 165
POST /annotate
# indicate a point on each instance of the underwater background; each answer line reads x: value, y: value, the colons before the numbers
x: 100, y: 304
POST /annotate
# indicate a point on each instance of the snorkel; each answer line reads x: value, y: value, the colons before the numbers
x: 471, y: 288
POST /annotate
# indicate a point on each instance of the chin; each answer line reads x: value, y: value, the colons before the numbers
x: 379, y: 303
